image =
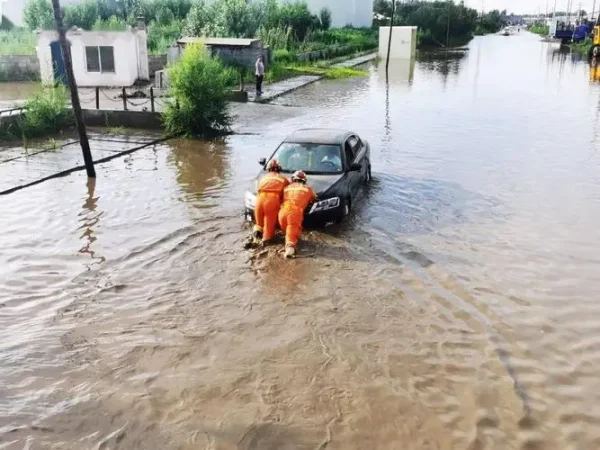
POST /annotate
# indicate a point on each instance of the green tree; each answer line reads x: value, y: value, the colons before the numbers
x: 6, y: 24
x: 38, y: 15
x: 197, y: 19
x: 200, y: 86
x: 325, y: 17
x: 297, y: 16
x: 82, y: 15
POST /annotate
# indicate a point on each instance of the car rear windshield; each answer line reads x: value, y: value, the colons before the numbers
x: 311, y: 158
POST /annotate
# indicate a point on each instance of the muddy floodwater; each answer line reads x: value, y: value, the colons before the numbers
x: 458, y: 308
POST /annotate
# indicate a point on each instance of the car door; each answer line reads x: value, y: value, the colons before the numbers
x: 361, y: 158
x: 353, y: 177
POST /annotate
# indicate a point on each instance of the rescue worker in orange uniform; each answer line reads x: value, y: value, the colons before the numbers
x: 296, y: 198
x: 594, y: 69
x: 268, y: 202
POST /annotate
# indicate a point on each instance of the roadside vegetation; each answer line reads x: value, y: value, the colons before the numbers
x: 45, y: 114
x: 583, y: 47
x: 440, y: 23
x: 199, y: 87
x: 540, y: 28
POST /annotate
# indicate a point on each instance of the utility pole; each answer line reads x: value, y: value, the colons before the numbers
x: 593, y: 11
x: 387, y: 62
x: 66, y: 54
x: 448, y: 29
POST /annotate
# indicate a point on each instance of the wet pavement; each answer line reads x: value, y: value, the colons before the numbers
x: 456, y: 308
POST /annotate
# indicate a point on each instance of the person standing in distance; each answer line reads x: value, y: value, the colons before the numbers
x: 260, y: 75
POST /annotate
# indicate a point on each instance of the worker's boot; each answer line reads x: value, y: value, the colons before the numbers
x: 257, y: 236
x: 290, y: 252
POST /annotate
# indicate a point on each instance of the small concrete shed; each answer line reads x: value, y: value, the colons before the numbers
x: 232, y: 51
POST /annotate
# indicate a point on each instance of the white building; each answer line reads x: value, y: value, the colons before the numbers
x: 104, y: 58
x: 358, y: 13
x: 404, y: 42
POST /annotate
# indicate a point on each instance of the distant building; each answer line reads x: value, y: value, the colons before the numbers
x: 358, y: 13
x: 104, y: 58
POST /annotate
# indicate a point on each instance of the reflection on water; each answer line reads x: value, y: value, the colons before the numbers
x: 90, y: 220
x: 17, y: 91
x: 401, y: 71
x: 455, y: 309
x: 200, y: 165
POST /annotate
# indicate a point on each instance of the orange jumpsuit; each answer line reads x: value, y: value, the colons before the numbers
x: 296, y: 198
x: 594, y: 70
x: 270, y: 193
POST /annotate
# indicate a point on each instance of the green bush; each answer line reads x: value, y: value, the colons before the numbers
x: 45, y: 113
x: 284, y: 56
x: 541, y: 29
x: 200, y: 86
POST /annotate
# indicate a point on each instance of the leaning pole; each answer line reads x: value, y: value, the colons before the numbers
x: 387, y: 62
x: 66, y: 54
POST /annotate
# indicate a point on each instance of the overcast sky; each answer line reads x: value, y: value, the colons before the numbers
x: 530, y: 6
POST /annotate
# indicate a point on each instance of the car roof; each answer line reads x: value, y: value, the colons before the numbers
x: 328, y: 136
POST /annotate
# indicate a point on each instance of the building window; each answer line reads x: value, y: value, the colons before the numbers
x: 100, y: 59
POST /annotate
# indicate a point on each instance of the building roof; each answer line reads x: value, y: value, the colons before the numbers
x: 326, y: 136
x: 224, y: 42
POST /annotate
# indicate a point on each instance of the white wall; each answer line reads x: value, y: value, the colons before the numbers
x: 358, y: 13
x: 131, y: 63
x: 404, y: 42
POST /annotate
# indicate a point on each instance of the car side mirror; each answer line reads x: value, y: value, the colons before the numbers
x: 355, y: 167
x: 262, y: 161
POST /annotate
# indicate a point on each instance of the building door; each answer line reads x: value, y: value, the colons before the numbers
x: 58, y: 64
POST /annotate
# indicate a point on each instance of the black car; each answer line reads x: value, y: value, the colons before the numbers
x: 337, y: 163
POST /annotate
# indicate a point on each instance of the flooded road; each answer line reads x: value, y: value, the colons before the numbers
x: 456, y: 309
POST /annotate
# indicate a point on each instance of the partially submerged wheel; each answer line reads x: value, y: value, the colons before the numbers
x: 347, y: 207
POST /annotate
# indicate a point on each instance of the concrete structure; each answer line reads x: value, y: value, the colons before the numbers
x: 242, y: 52
x: 19, y: 68
x: 107, y: 58
x: 404, y: 42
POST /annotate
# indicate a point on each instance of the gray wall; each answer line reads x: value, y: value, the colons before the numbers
x: 246, y: 57
x: 19, y: 68
x: 156, y: 63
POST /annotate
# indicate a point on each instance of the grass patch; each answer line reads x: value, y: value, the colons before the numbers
x: 17, y: 42
x: 582, y: 47
x: 116, y: 131
x: 279, y: 72
x: 538, y: 28
x: 282, y: 70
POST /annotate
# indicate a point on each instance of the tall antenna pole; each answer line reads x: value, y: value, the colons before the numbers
x: 66, y: 54
x: 387, y: 63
